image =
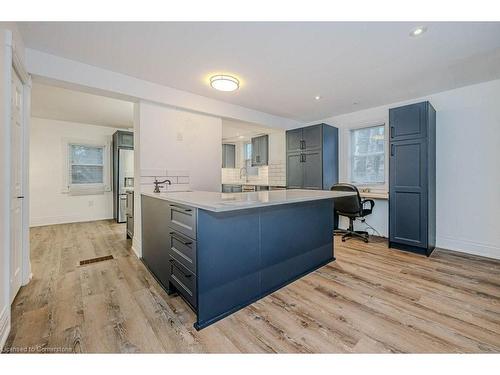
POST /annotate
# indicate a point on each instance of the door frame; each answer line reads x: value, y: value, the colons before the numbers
x: 18, y: 66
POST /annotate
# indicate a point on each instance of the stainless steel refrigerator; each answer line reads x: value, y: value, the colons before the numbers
x: 123, y: 172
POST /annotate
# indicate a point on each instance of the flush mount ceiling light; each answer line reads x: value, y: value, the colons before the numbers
x: 417, y: 31
x: 317, y: 97
x: 224, y: 82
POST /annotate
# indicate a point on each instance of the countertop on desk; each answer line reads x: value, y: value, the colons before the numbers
x: 373, y: 195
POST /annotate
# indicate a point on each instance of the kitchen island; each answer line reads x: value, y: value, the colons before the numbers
x: 223, y: 251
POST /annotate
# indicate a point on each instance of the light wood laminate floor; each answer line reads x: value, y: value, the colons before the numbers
x: 372, y: 299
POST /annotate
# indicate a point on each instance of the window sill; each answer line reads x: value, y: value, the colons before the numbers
x: 86, y: 190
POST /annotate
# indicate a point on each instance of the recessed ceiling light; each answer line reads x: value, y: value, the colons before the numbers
x: 224, y: 82
x: 417, y: 31
x: 241, y: 136
x: 317, y: 97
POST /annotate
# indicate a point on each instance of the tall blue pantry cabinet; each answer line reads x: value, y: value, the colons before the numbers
x: 412, y: 178
x: 312, y: 157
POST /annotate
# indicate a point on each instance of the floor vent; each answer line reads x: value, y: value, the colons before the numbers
x: 95, y: 260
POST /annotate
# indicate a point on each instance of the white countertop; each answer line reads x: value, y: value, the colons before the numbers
x: 221, y: 202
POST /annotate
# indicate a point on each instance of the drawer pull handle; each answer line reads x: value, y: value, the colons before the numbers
x: 182, y: 208
x: 184, y: 242
x: 187, y: 275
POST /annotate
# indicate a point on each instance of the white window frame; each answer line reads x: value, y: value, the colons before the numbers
x: 373, y: 187
x: 86, y: 189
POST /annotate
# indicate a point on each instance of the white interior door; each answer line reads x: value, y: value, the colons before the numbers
x: 16, y: 214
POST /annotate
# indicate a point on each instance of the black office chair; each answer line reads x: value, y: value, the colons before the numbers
x: 352, y: 207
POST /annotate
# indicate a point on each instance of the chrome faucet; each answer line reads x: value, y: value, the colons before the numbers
x: 158, y: 183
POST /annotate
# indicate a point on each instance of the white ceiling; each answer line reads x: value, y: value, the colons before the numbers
x: 284, y: 65
x: 57, y: 103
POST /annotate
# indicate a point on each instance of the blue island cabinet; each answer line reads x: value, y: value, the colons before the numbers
x: 220, y: 262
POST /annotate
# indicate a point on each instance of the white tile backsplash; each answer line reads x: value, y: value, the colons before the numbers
x: 179, y: 180
x: 274, y: 174
x: 277, y: 174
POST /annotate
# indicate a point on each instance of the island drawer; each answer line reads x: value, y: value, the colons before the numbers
x: 184, y: 281
x: 182, y: 249
x: 182, y: 219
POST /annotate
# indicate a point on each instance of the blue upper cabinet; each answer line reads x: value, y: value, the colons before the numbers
x: 408, y: 122
x: 125, y: 138
x: 260, y: 150
x: 294, y: 140
x: 312, y: 137
x: 412, y: 178
x: 228, y: 156
x: 312, y: 157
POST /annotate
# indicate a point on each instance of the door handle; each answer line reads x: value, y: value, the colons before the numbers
x: 187, y: 243
x: 182, y: 208
x: 187, y: 275
x: 20, y: 197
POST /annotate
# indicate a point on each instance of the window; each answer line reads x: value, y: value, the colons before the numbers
x: 368, y: 155
x: 86, y: 164
x: 248, y: 151
x: 251, y: 171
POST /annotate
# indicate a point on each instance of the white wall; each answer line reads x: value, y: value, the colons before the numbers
x: 467, y: 166
x: 182, y: 142
x: 48, y: 203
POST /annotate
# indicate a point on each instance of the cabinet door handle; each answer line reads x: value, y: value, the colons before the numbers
x: 172, y: 261
x: 392, y: 150
x: 184, y: 242
x: 181, y: 208
x: 391, y: 131
x: 305, y: 158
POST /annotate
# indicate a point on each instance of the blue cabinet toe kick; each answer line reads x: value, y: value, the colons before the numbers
x: 245, y: 255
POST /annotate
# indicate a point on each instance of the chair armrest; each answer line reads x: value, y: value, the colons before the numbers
x: 371, y: 201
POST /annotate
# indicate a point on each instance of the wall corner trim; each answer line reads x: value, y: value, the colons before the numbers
x: 4, y: 325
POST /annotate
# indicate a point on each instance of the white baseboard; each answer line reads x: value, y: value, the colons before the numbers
x: 469, y: 247
x: 4, y: 325
x: 53, y: 220
x: 136, y: 246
